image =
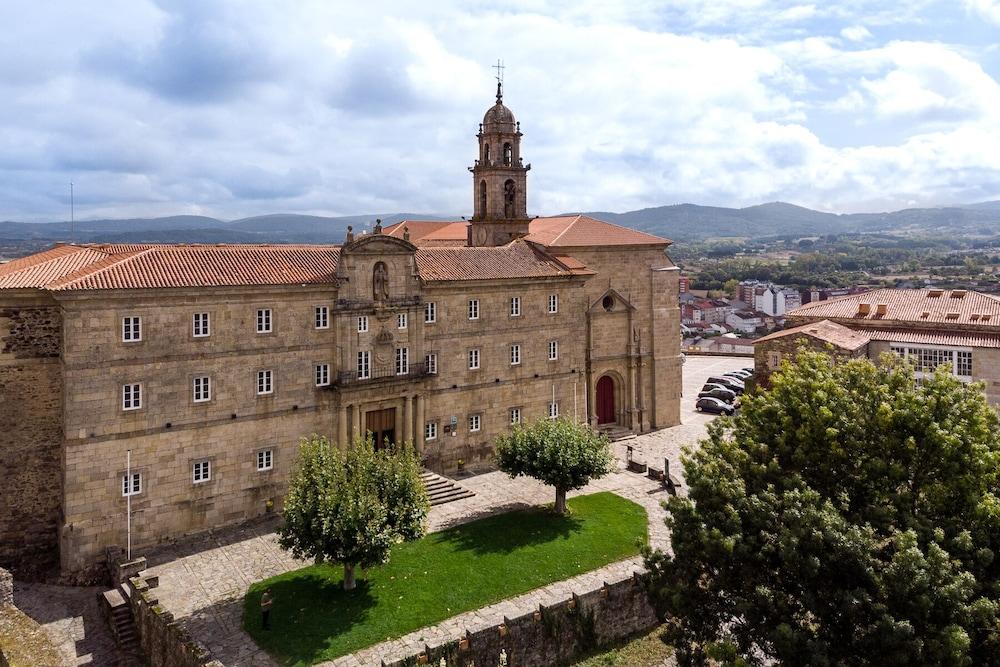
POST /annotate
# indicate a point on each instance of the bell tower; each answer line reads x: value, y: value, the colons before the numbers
x: 499, y: 178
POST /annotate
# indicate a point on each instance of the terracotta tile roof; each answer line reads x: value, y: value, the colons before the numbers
x: 924, y: 305
x: 826, y: 331
x: 569, y: 231
x: 159, y: 266
x: 952, y: 339
x: 514, y: 260
x: 40, y: 269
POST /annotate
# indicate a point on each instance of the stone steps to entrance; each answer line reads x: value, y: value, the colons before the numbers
x: 123, y: 627
x: 616, y: 432
x: 441, y: 490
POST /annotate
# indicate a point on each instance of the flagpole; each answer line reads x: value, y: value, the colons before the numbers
x: 128, y: 500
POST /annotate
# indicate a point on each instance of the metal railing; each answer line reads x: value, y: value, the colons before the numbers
x: 387, y: 372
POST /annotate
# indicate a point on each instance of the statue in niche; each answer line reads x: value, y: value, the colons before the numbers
x: 380, y: 282
x: 508, y: 199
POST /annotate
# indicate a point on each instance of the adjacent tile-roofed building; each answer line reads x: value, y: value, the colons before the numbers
x: 923, y: 305
x: 823, y: 331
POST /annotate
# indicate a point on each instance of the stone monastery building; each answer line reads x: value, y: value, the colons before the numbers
x: 210, y: 362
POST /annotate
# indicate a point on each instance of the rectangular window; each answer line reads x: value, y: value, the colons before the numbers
x: 362, y: 324
x: 553, y: 350
x: 322, y: 375
x: 201, y: 325
x: 515, y: 415
x: 431, y: 431
x: 473, y: 309
x: 963, y: 364
x: 364, y: 365
x: 475, y: 423
x: 515, y: 306
x: 263, y: 320
x: 773, y: 360
x: 431, y: 361
x: 202, y: 471
x: 553, y: 303
x: 401, y: 321
x: 132, y: 485
x: 202, y: 389
x: 131, y: 396
x: 515, y: 355
x: 322, y: 317
x: 402, y: 360
x: 553, y: 410
x: 131, y: 329
x: 265, y: 459
x: 264, y: 382
x: 430, y: 312
x: 473, y: 359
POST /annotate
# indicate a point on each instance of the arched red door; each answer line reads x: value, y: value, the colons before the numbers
x: 605, y: 400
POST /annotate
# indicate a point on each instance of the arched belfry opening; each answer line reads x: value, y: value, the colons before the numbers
x: 482, y: 199
x: 486, y: 154
x: 509, y: 198
x: 508, y: 154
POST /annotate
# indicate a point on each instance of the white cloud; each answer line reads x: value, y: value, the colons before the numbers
x: 988, y: 9
x: 856, y: 33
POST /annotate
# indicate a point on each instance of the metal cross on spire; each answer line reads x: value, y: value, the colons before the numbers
x: 499, y: 68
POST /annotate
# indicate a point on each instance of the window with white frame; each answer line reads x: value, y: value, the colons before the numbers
x: 926, y: 360
x: 430, y: 312
x: 202, y: 389
x: 553, y: 303
x: 322, y: 375
x: 473, y: 309
x: 131, y: 329
x: 431, y: 431
x: 515, y: 415
x: 132, y: 396
x: 364, y: 365
x: 263, y: 320
x: 474, y: 359
x: 265, y: 459
x: 201, y: 325
x: 322, y: 317
x: 431, y: 361
x: 515, y: 355
x: 553, y: 409
x: 401, y: 321
x: 132, y: 484
x: 553, y: 350
x: 475, y: 423
x: 201, y: 471
x: 515, y: 306
x: 265, y: 382
x: 402, y: 360
x: 362, y: 324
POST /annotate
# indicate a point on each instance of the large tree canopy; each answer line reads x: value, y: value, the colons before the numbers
x: 559, y: 452
x: 845, y: 516
x: 350, y: 506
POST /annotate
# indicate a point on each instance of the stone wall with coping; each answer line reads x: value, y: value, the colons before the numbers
x: 6, y: 588
x: 164, y: 642
x: 551, y: 635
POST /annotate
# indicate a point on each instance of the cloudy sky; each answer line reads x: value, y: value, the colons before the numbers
x: 246, y: 107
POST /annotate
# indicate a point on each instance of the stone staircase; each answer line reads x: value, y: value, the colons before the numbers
x: 615, y: 432
x: 441, y: 490
x: 123, y: 627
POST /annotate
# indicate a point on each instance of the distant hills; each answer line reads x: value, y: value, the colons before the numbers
x: 681, y: 222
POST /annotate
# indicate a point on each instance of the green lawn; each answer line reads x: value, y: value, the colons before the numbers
x: 441, y: 575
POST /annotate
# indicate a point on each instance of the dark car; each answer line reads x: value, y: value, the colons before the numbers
x: 721, y: 393
x: 715, y: 406
x: 728, y: 383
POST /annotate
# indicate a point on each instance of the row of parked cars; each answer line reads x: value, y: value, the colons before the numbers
x: 720, y: 395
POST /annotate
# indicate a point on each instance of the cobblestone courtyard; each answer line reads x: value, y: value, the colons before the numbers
x: 203, y: 581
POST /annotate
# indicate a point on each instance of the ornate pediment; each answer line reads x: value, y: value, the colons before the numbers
x: 611, y: 301
x: 376, y: 244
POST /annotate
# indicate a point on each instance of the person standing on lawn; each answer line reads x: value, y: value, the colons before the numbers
x: 266, y: 600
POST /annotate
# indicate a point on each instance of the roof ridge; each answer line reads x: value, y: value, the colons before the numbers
x: 576, y: 219
x: 96, y: 268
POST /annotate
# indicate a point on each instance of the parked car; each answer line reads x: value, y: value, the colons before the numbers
x: 728, y: 383
x: 742, y: 374
x: 715, y: 406
x: 721, y: 393
x: 709, y: 386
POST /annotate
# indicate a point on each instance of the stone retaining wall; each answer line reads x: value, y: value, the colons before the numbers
x: 6, y: 588
x: 551, y: 635
x: 164, y: 642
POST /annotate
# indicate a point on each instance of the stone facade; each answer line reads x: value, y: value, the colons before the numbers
x: 31, y: 435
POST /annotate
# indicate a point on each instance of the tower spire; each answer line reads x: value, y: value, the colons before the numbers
x: 499, y: 68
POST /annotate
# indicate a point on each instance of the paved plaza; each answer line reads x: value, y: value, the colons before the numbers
x: 203, y: 581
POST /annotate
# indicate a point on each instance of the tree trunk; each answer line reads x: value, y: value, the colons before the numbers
x: 560, y: 500
x: 349, y: 583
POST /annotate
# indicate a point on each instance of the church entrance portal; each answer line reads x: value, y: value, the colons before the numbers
x: 605, y: 400
x: 382, y: 426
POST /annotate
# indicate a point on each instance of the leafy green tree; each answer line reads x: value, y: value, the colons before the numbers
x: 846, y: 516
x: 350, y: 506
x: 559, y: 452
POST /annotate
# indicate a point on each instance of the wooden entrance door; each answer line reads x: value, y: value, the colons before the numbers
x: 605, y: 400
x: 382, y: 426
